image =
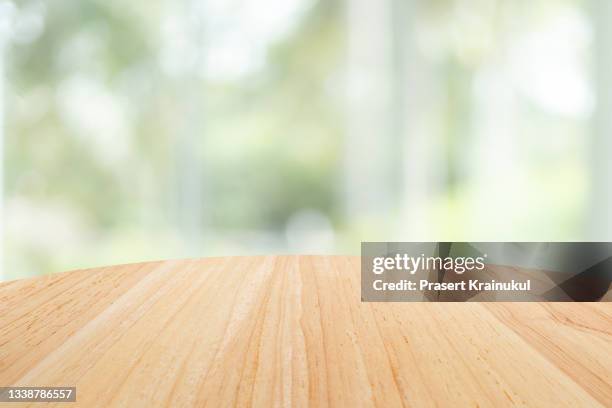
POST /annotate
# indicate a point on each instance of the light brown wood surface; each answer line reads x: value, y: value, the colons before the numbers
x: 291, y: 331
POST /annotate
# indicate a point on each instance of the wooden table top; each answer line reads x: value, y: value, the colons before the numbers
x: 291, y: 330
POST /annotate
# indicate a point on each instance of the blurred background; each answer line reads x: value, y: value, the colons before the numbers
x: 139, y: 130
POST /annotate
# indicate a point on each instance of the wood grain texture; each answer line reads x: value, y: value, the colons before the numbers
x: 291, y: 331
